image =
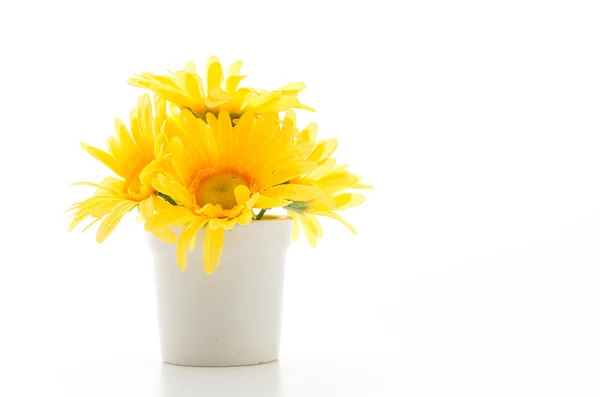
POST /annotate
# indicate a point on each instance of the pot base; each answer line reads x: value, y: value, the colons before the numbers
x: 220, y: 366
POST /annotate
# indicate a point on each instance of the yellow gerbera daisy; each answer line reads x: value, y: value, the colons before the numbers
x: 333, y: 182
x: 186, y: 89
x: 128, y: 155
x: 217, y: 173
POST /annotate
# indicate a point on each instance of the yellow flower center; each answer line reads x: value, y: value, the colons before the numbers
x: 216, y: 186
x: 133, y: 189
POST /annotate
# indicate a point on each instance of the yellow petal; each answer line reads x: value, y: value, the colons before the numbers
x: 174, y: 216
x: 242, y: 194
x: 226, y: 134
x: 90, y: 224
x: 103, y: 157
x: 304, y: 107
x: 340, y: 178
x: 348, y: 200
x: 245, y: 217
x: 289, y: 120
x: 296, y: 87
x: 146, y: 209
x: 213, y: 245
x: 316, y: 224
x: 293, y: 192
x: 323, y: 169
x: 182, y: 251
x: 244, y: 134
x: 191, y: 84
x: 193, y: 231
x: 232, y: 83
x: 338, y: 218
x: 323, y: 150
x: 96, y: 185
x: 96, y: 206
x: 126, y: 141
x: 114, y: 149
x: 216, y: 97
x: 112, y: 220
x: 287, y: 174
x: 230, y: 224
x: 190, y: 67
x: 179, y: 193
x: 308, y: 224
x: 309, y: 230
x: 268, y: 202
x: 165, y: 234
x: 214, y: 73
x: 362, y: 186
x: 184, y: 243
x: 215, y: 224
x: 212, y: 211
x: 295, y: 225
x: 309, y: 133
x: 234, y: 69
x: 252, y: 200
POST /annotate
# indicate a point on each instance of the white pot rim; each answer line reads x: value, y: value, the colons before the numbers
x: 265, y: 219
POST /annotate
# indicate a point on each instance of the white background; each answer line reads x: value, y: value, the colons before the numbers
x: 476, y: 270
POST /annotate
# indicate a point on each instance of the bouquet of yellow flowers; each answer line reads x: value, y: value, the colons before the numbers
x: 209, y: 154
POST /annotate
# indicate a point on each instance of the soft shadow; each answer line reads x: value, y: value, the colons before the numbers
x: 257, y: 380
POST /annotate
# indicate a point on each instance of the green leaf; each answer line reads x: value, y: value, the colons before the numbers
x: 167, y: 198
x: 298, y: 206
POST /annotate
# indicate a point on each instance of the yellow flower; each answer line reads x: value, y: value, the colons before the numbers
x: 333, y: 182
x: 186, y: 89
x: 128, y: 155
x: 217, y: 173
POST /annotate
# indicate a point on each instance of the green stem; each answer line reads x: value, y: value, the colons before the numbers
x: 260, y: 214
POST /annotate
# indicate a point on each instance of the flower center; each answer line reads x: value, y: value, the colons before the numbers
x: 218, y: 188
x: 134, y: 190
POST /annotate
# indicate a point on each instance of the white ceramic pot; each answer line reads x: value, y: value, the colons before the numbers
x: 231, y: 317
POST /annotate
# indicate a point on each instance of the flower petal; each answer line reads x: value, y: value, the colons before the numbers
x: 348, y: 200
x: 268, y: 202
x: 293, y: 192
x: 213, y: 246
x: 242, y: 194
x: 112, y: 220
x: 337, y: 217
x: 103, y: 157
x: 214, y: 73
